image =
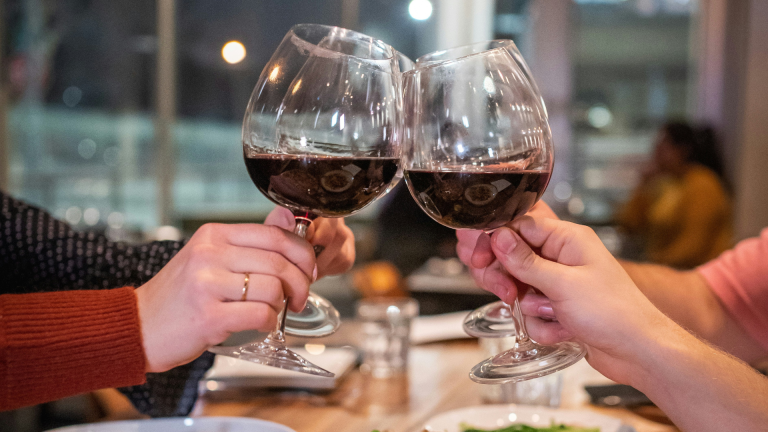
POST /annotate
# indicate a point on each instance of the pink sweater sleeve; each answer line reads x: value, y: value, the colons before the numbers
x: 739, y: 278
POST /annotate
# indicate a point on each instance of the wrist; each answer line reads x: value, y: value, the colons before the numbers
x: 143, y: 305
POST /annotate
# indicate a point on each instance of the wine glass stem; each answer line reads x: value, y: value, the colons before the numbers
x: 302, y: 225
x: 278, y: 334
x: 521, y: 334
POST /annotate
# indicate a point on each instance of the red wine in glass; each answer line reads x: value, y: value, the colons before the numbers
x: 483, y: 199
x: 321, y: 186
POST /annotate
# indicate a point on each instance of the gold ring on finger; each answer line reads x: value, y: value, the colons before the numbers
x: 245, y: 287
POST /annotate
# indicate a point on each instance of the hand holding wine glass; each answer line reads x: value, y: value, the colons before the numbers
x: 586, y: 288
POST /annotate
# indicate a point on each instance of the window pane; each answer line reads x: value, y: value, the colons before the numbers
x: 80, y: 77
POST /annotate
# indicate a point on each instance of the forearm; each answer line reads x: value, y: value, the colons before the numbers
x: 699, y: 387
x: 685, y: 297
x: 60, y: 344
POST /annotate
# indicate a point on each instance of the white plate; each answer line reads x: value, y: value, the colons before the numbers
x: 181, y: 424
x: 498, y: 416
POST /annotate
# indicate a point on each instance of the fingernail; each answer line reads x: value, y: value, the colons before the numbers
x: 546, y: 311
x: 314, y: 274
x: 505, y: 240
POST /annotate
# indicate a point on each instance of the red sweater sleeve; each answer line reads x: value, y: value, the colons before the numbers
x: 58, y: 344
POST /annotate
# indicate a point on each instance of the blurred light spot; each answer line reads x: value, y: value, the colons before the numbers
x: 593, y: 178
x: 393, y: 311
x: 188, y: 422
x: 420, y: 10
x: 73, y: 215
x: 233, y: 52
x: 275, y: 72
x: 115, y: 220
x: 296, y: 87
x: 72, y: 96
x: 91, y: 216
x: 465, y: 121
x: 512, y: 417
x: 112, y: 156
x: 488, y: 85
x: 212, y: 385
x: 314, y: 349
x: 563, y: 191
x: 576, y: 206
x: 599, y: 116
x: 87, y: 148
x: 535, y: 417
x: 167, y: 232
x: 100, y: 188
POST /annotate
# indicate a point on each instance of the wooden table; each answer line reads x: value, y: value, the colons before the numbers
x: 437, y: 381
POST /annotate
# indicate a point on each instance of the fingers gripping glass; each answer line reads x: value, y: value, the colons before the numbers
x: 477, y: 154
x: 320, y: 137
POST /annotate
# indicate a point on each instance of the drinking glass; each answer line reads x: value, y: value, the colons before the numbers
x: 478, y: 153
x: 320, y: 137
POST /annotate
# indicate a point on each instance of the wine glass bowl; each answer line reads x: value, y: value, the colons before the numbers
x: 478, y: 153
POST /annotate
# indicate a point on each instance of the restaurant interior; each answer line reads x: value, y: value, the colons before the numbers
x: 125, y: 118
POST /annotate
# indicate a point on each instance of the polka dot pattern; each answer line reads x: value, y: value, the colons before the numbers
x: 40, y: 253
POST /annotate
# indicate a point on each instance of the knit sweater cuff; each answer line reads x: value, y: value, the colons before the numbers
x: 58, y: 344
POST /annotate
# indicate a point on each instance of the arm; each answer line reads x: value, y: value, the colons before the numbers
x: 627, y: 338
x: 58, y: 344
x: 700, y: 387
x: 685, y: 297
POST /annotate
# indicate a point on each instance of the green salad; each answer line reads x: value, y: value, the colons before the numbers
x: 526, y: 428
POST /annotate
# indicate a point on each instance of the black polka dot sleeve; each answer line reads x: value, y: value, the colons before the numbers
x: 40, y: 253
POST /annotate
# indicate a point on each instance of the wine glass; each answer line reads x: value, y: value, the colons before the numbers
x: 477, y: 153
x: 320, y: 137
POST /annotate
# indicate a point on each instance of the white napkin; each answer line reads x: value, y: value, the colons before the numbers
x: 433, y: 328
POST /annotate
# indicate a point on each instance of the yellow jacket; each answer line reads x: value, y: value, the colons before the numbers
x: 684, y: 221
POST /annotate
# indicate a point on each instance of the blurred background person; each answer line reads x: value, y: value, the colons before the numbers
x: 681, y: 209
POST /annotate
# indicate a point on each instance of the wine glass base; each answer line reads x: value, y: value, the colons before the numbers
x: 319, y: 318
x: 493, y: 320
x: 272, y: 354
x: 526, y: 362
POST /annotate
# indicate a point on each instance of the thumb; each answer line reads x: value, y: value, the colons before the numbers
x: 521, y: 262
x: 281, y: 217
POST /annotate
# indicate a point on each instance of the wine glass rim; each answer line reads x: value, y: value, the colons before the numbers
x: 504, y: 44
x: 389, y: 51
